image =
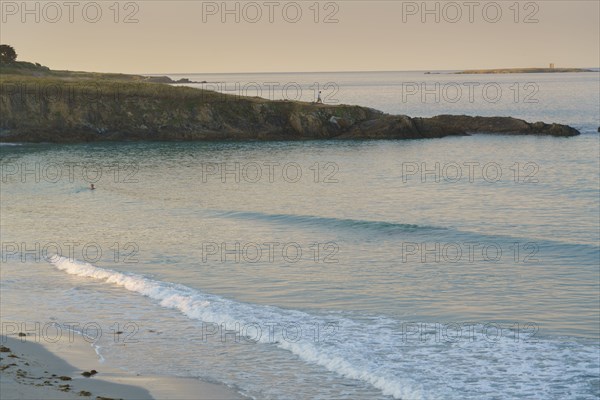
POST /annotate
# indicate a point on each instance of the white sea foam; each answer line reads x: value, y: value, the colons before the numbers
x: 373, y: 352
x: 205, y: 307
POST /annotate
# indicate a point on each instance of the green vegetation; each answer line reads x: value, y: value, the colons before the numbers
x: 7, y: 54
x: 38, y: 70
x: 88, y: 84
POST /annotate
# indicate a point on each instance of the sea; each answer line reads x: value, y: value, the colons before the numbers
x: 454, y: 268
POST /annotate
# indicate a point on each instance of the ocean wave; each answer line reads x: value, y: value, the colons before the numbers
x: 427, y: 233
x: 206, y: 307
x: 376, y: 350
x: 326, y: 222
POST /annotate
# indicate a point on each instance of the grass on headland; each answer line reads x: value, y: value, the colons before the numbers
x: 24, y: 68
x: 65, y: 84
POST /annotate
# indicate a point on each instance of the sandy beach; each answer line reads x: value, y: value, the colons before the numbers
x: 31, y: 370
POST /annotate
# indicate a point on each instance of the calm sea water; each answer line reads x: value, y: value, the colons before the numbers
x: 451, y: 268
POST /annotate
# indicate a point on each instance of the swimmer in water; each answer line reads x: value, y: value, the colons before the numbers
x: 92, y: 187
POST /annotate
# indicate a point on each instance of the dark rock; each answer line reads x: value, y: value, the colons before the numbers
x: 85, y: 393
x: 64, y: 378
x: 21, y: 334
x: 463, y: 124
x: 4, y: 349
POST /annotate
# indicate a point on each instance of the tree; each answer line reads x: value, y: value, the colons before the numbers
x: 7, y: 54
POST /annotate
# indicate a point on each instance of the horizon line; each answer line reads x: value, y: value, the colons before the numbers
x: 340, y: 71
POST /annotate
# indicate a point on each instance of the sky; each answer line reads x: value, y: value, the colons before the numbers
x: 281, y: 36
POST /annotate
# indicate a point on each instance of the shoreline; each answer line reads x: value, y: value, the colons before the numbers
x: 30, y: 369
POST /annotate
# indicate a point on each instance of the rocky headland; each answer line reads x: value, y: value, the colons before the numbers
x: 63, y: 106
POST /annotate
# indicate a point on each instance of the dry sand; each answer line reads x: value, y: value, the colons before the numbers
x: 44, y: 371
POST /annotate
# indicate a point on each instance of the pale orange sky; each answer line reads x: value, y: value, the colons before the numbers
x: 171, y: 36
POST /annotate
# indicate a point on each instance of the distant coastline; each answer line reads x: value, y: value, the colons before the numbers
x: 521, y: 70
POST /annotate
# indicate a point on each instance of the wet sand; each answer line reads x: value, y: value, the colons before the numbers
x: 30, y: 370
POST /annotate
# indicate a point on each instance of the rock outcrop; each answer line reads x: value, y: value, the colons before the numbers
x: 403, y: 127
x: 102, y: 110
